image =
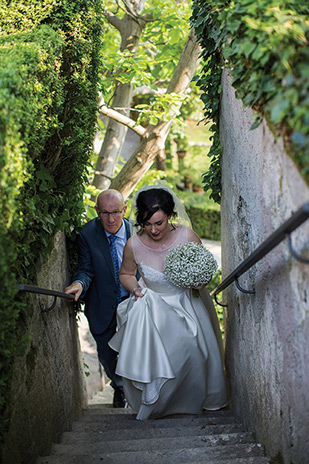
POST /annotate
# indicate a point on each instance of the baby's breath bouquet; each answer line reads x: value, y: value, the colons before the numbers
x: 189, y: 265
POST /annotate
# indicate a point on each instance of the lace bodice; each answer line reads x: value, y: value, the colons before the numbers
x: 151, y: 261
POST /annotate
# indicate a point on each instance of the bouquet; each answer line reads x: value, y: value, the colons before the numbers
x: 189, y: 265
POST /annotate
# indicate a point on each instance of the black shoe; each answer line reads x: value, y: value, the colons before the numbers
x: 119, y: 401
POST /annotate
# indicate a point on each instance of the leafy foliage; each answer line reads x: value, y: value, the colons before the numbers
x: 158, y: 108
x: 265, y: 46
x: 155, y: 60
x: 206, y: 223
x: 49, y: 59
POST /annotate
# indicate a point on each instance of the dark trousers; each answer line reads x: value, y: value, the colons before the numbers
x: 107, y: 356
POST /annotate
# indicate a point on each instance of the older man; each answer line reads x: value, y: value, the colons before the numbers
x: 96, y: 280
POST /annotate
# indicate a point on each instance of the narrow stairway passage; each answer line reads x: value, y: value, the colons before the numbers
x: 113, y: 436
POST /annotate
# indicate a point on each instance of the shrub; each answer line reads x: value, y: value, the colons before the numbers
x: 205, y: 222
x: 49, y: 59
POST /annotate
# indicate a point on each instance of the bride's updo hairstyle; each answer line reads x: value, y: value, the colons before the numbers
x: 150, y: 201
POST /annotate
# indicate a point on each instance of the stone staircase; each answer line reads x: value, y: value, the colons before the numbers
x: 104, y: 435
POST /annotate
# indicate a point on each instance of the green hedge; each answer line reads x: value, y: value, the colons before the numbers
x: 49, y: 60
x: 264, y: 44
x: 205, y: 222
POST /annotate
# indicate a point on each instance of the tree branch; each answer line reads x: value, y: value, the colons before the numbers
x: 147, y: 18
x: 100, y: 173
x: 113, y: 20
x: 189, y: 60
x: 155, y: 136
x: 122, y: 119
x: 144, y: 90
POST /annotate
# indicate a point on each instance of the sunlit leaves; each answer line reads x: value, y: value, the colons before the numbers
x: 158, y: 52
x: 48, y: 86
x: 265, y: 45
x: 160, y: 108
x: 125, y: 67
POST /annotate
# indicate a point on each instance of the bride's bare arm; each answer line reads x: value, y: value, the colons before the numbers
x: 193, y: 237
x: 127, y: 274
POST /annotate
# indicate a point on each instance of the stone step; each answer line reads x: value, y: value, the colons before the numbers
x: 109, y: 410
x: 146, y: 443
x: 125, y: 418
x: 92, y: 434
x: 113, y: 436
x: 235, y: 454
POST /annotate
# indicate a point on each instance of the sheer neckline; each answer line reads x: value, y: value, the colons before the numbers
x: 163, y: 247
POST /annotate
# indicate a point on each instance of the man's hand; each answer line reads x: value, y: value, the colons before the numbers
x: 75, y: 289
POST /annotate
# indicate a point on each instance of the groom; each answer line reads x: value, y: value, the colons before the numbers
x: 100, y: 247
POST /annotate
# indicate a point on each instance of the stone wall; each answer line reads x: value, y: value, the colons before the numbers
x: 267, y: 349
x: 48, y: 388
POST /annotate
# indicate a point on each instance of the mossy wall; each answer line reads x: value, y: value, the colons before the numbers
x: 266, y: 333
x: 49, y: 65
x: 48, y: 382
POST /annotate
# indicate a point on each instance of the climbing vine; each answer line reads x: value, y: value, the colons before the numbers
x: 265, y: 46
x: 49, y: 60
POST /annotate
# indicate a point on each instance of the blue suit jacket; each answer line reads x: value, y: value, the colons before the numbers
x: 96, y: 270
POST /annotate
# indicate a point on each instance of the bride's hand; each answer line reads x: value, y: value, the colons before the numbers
x: 199, y: 287
x: 137, y: 292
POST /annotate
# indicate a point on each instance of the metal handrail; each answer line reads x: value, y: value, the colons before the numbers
x: 45, y: 291
x: 301, y: 215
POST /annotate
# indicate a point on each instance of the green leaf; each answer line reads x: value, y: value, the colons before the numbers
x: 174, y: 36
x: 299, y: 139
x: 256, y: 124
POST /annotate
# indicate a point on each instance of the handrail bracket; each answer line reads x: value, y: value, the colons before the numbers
x: 294, y: 253
x: 243, y: 290
x: 46, y: 310
x: 218, y: 303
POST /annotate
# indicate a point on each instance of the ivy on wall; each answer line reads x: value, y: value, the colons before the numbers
x: 264, y: 44
x: 49, y: 60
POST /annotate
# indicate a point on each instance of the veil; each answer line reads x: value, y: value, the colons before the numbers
x: 181, y: 217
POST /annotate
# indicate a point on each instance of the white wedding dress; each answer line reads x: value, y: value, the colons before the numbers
x: 169, y: 356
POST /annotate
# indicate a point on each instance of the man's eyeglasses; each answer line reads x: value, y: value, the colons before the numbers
x: 106, y: 214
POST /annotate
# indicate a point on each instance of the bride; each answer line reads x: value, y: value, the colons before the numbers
x: 169, y: 355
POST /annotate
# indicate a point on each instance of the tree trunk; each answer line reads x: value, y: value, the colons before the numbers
x: 113, y: 139
x: 161, y: 161
x: 153, y: 141
x: 130, y: 29
x: 144, y: 155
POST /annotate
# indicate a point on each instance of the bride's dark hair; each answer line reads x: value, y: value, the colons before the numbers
x: 150, y: 201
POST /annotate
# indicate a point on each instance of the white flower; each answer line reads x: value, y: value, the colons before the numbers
x: 189, y: 265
